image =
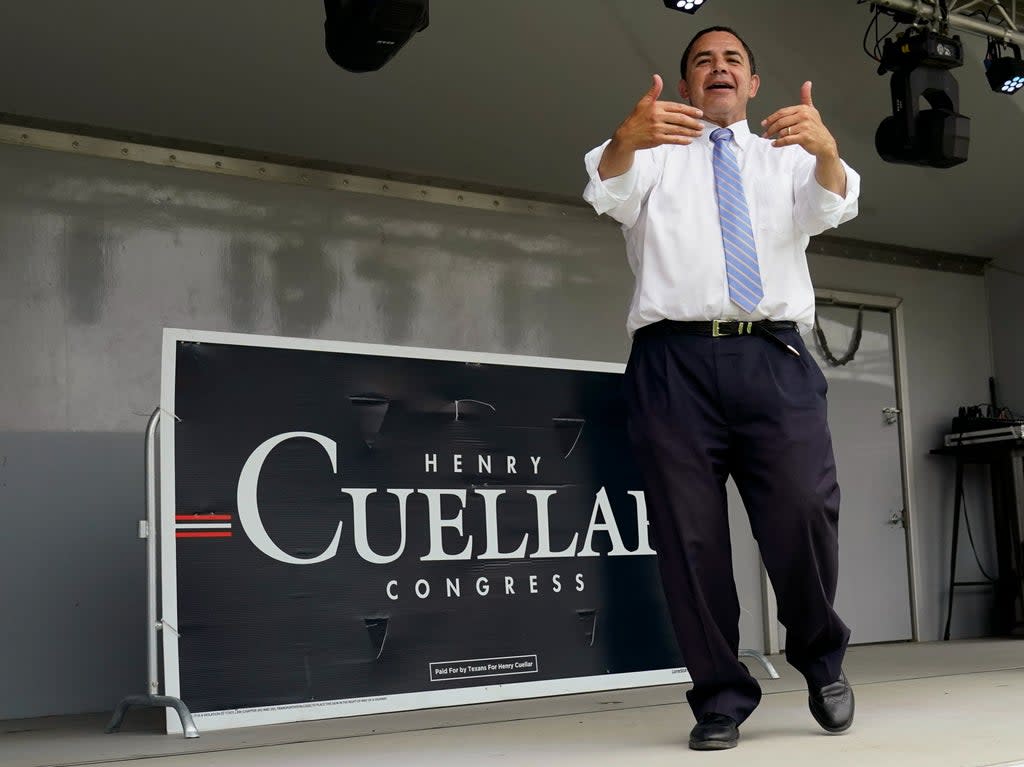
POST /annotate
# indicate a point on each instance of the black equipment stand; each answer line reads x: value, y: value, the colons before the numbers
x: 1005, y: 460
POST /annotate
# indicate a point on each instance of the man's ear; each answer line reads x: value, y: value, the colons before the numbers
x: 684, y: 90
x: 755, y: 84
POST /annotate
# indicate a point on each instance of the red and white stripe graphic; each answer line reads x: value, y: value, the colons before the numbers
x: 202, y: 525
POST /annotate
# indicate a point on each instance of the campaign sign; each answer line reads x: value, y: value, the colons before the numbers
x: 350, y: 529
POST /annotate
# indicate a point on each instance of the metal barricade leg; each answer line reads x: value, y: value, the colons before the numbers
x: 147, y: 530
x: 762, y: 660
x: 165, y: 701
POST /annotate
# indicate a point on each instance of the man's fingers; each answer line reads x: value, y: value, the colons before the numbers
x: 680, y: 114
x: 780, y: 125
x: 789, y: 136
x: 667, y: 122
x: 678, y: 130
x: 670, y: 139
x: 681, y: 120
x: 684, y: 109
x: 805, y: 94
x: 788, y: 117
x: 787, y: 112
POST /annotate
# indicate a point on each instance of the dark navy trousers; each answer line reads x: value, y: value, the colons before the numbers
x: 702, y: 409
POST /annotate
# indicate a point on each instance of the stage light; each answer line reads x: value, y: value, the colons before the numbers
x: 364, y: 35
x: 686, y: 6
x: 1005, y: 73
x: 938, y: 137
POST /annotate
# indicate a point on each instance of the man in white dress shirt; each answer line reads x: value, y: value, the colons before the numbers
x: 719, y: 382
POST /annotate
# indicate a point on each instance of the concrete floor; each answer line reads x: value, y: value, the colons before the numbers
x: 954, y: 703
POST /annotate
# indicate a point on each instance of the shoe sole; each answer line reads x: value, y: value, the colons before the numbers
x: 712, y: 745
x: 836, y: 730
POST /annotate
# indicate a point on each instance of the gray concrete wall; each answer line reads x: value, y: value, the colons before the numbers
x: 97, y: 256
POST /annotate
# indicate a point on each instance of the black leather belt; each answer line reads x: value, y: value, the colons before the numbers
x: 722, y: 329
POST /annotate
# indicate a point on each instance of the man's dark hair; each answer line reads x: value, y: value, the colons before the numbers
x: 699, y: 35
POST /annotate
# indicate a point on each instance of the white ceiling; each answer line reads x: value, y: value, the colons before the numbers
x: 508, y: 94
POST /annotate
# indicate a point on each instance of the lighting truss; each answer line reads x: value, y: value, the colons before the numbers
x: 1001, y: 21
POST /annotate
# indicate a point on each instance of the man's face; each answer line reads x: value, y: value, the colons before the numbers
x: 718, y: 79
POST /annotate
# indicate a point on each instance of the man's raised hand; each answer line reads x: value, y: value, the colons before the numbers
x: 653, y: 123
x: 801, y: 125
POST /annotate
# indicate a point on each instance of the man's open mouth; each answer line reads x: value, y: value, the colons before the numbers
x: 720, y: 87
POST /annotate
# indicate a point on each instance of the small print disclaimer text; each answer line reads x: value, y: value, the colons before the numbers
x: 442, y: 671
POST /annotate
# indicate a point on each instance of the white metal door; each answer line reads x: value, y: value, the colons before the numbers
x: 874, y: 588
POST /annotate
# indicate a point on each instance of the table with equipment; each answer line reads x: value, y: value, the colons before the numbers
x: 1002, y: 450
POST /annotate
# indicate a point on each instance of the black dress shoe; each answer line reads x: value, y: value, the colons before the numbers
x: 714, y: 732
x: 832, y: 705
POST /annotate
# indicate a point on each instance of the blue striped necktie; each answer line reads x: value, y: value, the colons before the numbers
x: 741, y: 267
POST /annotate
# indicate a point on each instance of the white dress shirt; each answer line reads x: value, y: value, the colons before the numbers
x: 669, y: 214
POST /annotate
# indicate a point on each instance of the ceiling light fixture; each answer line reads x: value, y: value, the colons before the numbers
x: 920, y: 61
x: 1005, y: 73
x: 364, y: 35
x: 686, y: 6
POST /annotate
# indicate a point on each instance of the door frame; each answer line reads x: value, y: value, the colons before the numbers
x: 894, y: 306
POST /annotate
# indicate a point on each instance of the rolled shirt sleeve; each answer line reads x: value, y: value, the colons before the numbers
x: 621, y: 197
x: 818, y: 209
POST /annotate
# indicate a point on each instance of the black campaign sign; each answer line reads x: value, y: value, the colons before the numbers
x: 397, y: 532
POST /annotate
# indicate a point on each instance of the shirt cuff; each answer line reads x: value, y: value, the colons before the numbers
x: 833, y: 208
x: 605, y: 194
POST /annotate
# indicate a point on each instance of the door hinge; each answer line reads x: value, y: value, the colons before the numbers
x: 898, y: 519
x: 892, y: 414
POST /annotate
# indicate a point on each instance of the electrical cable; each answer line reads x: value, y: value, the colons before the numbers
x: 867, y: 31
x: 879, y: 39
x: 876, y: 53
x: 979, y: 12
x: 970, y: 537
x: 851, y: 351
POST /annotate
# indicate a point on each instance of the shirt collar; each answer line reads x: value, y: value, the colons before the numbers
x: 741, y: 134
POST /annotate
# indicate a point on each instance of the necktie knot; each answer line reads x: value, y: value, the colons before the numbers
x: 721, y: 134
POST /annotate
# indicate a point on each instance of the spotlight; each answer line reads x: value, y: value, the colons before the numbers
x: 922, y: 48
x: 939, y: 137
x: 364, y: 35
x: 686, y: 6
x: 1005, y: 73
